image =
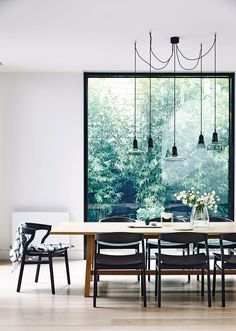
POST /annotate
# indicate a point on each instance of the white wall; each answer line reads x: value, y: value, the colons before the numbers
x: 41, y: 147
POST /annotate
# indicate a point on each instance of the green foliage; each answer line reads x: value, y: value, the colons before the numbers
x: 147, y: 180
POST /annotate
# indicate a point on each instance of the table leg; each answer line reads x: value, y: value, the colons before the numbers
x: 89, y: 264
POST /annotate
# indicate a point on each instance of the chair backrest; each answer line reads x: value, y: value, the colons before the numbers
x: 183, y: 237
x: 228, y: 239
x: 155, y: 219
x: 117, y: 219
x: 228, y: 236
x: 30, y: 230
x: 219, y: 219
x: 189, y: 238
x: 119, y: 238
x: 158, y: 219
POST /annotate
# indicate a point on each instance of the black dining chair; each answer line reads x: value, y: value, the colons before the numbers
x: 224, y: 261
x: 152, y: 244
x: 43, y: 252
x: 118, y: 259
x: 198, y: 261
x: 214, y: 243
x: 118, y: 219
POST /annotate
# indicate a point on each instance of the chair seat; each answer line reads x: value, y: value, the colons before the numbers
x: 154, y: 244
x: 215, y: 244
x: 133, y: 261
x: 103, y: 246
x: 229, y: 260
x: 46, y: 248
x: 188, y: 261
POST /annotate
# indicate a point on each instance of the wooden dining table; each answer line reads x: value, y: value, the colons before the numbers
x: 90, y: 229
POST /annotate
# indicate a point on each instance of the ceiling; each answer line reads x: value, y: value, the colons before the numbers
x: 98, y: 35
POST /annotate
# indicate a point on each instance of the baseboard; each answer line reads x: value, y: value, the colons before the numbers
x: 4, y: 254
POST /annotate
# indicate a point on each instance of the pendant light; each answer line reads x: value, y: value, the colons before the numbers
x: 150, y: 140
x: 215, y: 145
x: 201, y: 143
x: 178, y: 56
x: 174, y: 152
x: 135, y: 150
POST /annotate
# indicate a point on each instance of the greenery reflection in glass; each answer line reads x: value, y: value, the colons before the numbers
x: 143, y: 186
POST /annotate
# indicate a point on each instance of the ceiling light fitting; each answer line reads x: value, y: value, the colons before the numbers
x: 177, y: 56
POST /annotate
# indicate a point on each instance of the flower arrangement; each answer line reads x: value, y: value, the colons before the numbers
x: 193, y: 198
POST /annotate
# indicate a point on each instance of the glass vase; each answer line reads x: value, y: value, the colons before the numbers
x: 199, y: 217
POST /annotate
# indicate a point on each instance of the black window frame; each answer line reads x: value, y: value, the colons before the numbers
x: 230, y: 76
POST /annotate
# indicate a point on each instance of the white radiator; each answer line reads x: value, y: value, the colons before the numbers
x: 52, y: 218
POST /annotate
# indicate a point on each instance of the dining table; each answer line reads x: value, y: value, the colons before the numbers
x: 90, y: 229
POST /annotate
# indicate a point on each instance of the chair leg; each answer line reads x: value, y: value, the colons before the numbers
x: 159, y: 288
x: 51, y: 274
x: 198, y: 251
x: 143, y: 276
x: 188, y: 253
x: 20, y: 275
x: 214, y: 279
x: 223, y: 287
x: 142, y: 287
x: 156, y: 275
x: 99, y: 250
x: 38, y: 269
x: 67, y: 267
x: 209, y: 287
x: 202, y: 283
x: 137, y: 251
x: 95, y: 280
x: 149, y: 261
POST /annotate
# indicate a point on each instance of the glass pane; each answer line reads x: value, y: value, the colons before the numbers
x: 143, y: 186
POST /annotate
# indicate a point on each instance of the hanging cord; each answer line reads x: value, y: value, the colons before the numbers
x: 155, y: 68
x: 178, y: 53
x: 162, y: 61
x: 174, y: 49
x: 150, y: 87
x: 149, y: 63
x: 181, y: 65
x: 215, y: 86
x: 203, y: 55
x: 201, y: 90
x: 135, y: 89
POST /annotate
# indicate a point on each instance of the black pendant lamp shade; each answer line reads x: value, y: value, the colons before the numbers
x: 215, y: 145
x: 201, y: 143
x: 174, y: 151
x: 150, y: 144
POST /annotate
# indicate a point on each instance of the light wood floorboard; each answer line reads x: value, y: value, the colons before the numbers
x: 119, y: 303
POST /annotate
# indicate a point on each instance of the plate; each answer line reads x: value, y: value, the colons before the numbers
x: 144, y: 226
x: 184, y: 229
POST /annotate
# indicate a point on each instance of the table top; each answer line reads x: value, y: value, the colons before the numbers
x: 91, y: 228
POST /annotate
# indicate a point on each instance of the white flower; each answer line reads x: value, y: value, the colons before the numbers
x: 193, y: 198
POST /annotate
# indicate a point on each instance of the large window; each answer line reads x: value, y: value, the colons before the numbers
x: 117, y: 183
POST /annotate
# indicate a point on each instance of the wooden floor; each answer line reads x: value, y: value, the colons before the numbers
x: 119, y: 303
